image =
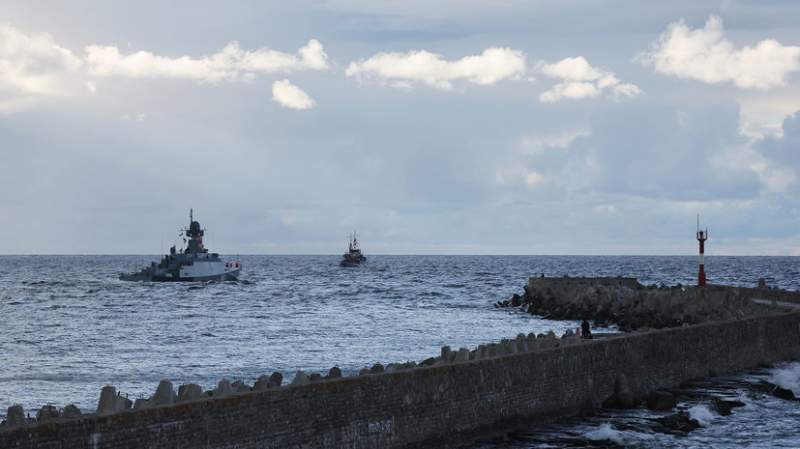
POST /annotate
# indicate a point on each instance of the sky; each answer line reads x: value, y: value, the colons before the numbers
x: 429, y: 127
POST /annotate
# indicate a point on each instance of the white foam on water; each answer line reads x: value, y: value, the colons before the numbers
x: 702, y: 414
x: 605, y: 432
x: 788, y: 378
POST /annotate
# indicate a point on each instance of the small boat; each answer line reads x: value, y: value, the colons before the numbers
x: 353, y: 257
x: 194, y: 264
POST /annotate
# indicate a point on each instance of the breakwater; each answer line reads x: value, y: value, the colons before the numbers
x: 439, y: 405
x: 631, y: 305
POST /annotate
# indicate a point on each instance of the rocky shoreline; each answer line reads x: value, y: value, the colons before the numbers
x: 626, y: 303
x: 667, y: 412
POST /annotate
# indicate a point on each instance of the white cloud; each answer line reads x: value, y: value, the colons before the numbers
x: 291, y: 96
x: 581, y: 80
x: 36, y: 65
x: 605, y: 208
x: 493, y: 65
x: 532, y: 145
x: 532, y: 178
x: 573, y: 90
x: 705, y: 55
x: 230, y: 64
x: 573, y: 69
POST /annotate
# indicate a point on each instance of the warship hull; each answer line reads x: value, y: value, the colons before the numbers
x: 227, y: 276
x: 194, y: 264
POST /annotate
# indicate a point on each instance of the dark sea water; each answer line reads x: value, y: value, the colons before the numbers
x: 68, y: 326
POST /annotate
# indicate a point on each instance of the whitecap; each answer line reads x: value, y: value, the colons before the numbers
x: 702, y: 414
x: 605, y: 432
x: 788, y: 378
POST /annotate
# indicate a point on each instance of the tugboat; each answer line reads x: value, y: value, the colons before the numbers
x: 194, y: 264
x: 353, y: 257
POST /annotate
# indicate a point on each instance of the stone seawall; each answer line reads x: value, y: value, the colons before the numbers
x: 431, y: 406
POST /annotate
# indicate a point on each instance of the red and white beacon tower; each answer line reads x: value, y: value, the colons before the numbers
x: 702, y: 236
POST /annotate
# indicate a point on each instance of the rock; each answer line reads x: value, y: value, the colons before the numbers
x: 783, y: 393
x: 722, y: 408
x: 46, y: 412
x: 15, y: 416
x: 191, y: 392
x: 164, y: 394
x: 334, y: 373
x: 623, y: 397
x: 661, y: 400
x: 300, y: 378
x: 71, y: 411
x: 680, y: 422
x: 275, y: 379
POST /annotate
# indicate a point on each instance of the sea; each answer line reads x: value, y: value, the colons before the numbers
x: 69, y: 327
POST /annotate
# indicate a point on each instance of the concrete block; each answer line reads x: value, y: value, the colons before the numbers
x: 301, y: 378
x: 462, y: 355
x: 107, y: 402
x: 276, y: 379
x: 164, y: 394
x: 15, y: 416
x: 71, y: 411
x: 192, y: 392
x: 46, y: 412
x: 224, y: 388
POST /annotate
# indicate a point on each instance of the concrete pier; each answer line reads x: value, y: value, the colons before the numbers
x: 427, y: 405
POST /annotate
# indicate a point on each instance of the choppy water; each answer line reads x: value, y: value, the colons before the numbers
x: 69, y: 327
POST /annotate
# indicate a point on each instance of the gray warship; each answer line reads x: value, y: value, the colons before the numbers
x: 194, y: 264
x: 353, y: 257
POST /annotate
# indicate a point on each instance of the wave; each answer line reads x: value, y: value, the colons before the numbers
x: 702, y: 414
x: 788, y: 378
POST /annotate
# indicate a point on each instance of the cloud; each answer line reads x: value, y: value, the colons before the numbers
x: 37, y: 65
x: 783, y: 161
x: 291, y: 96
x: 231, y: 64
x: 581, y: 80
x: 33, y: 68
x: 705, y: 55
x: 493, y: 65
x: 653, y: 152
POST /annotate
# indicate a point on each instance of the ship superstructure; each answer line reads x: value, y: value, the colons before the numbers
x: 193, y: 264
